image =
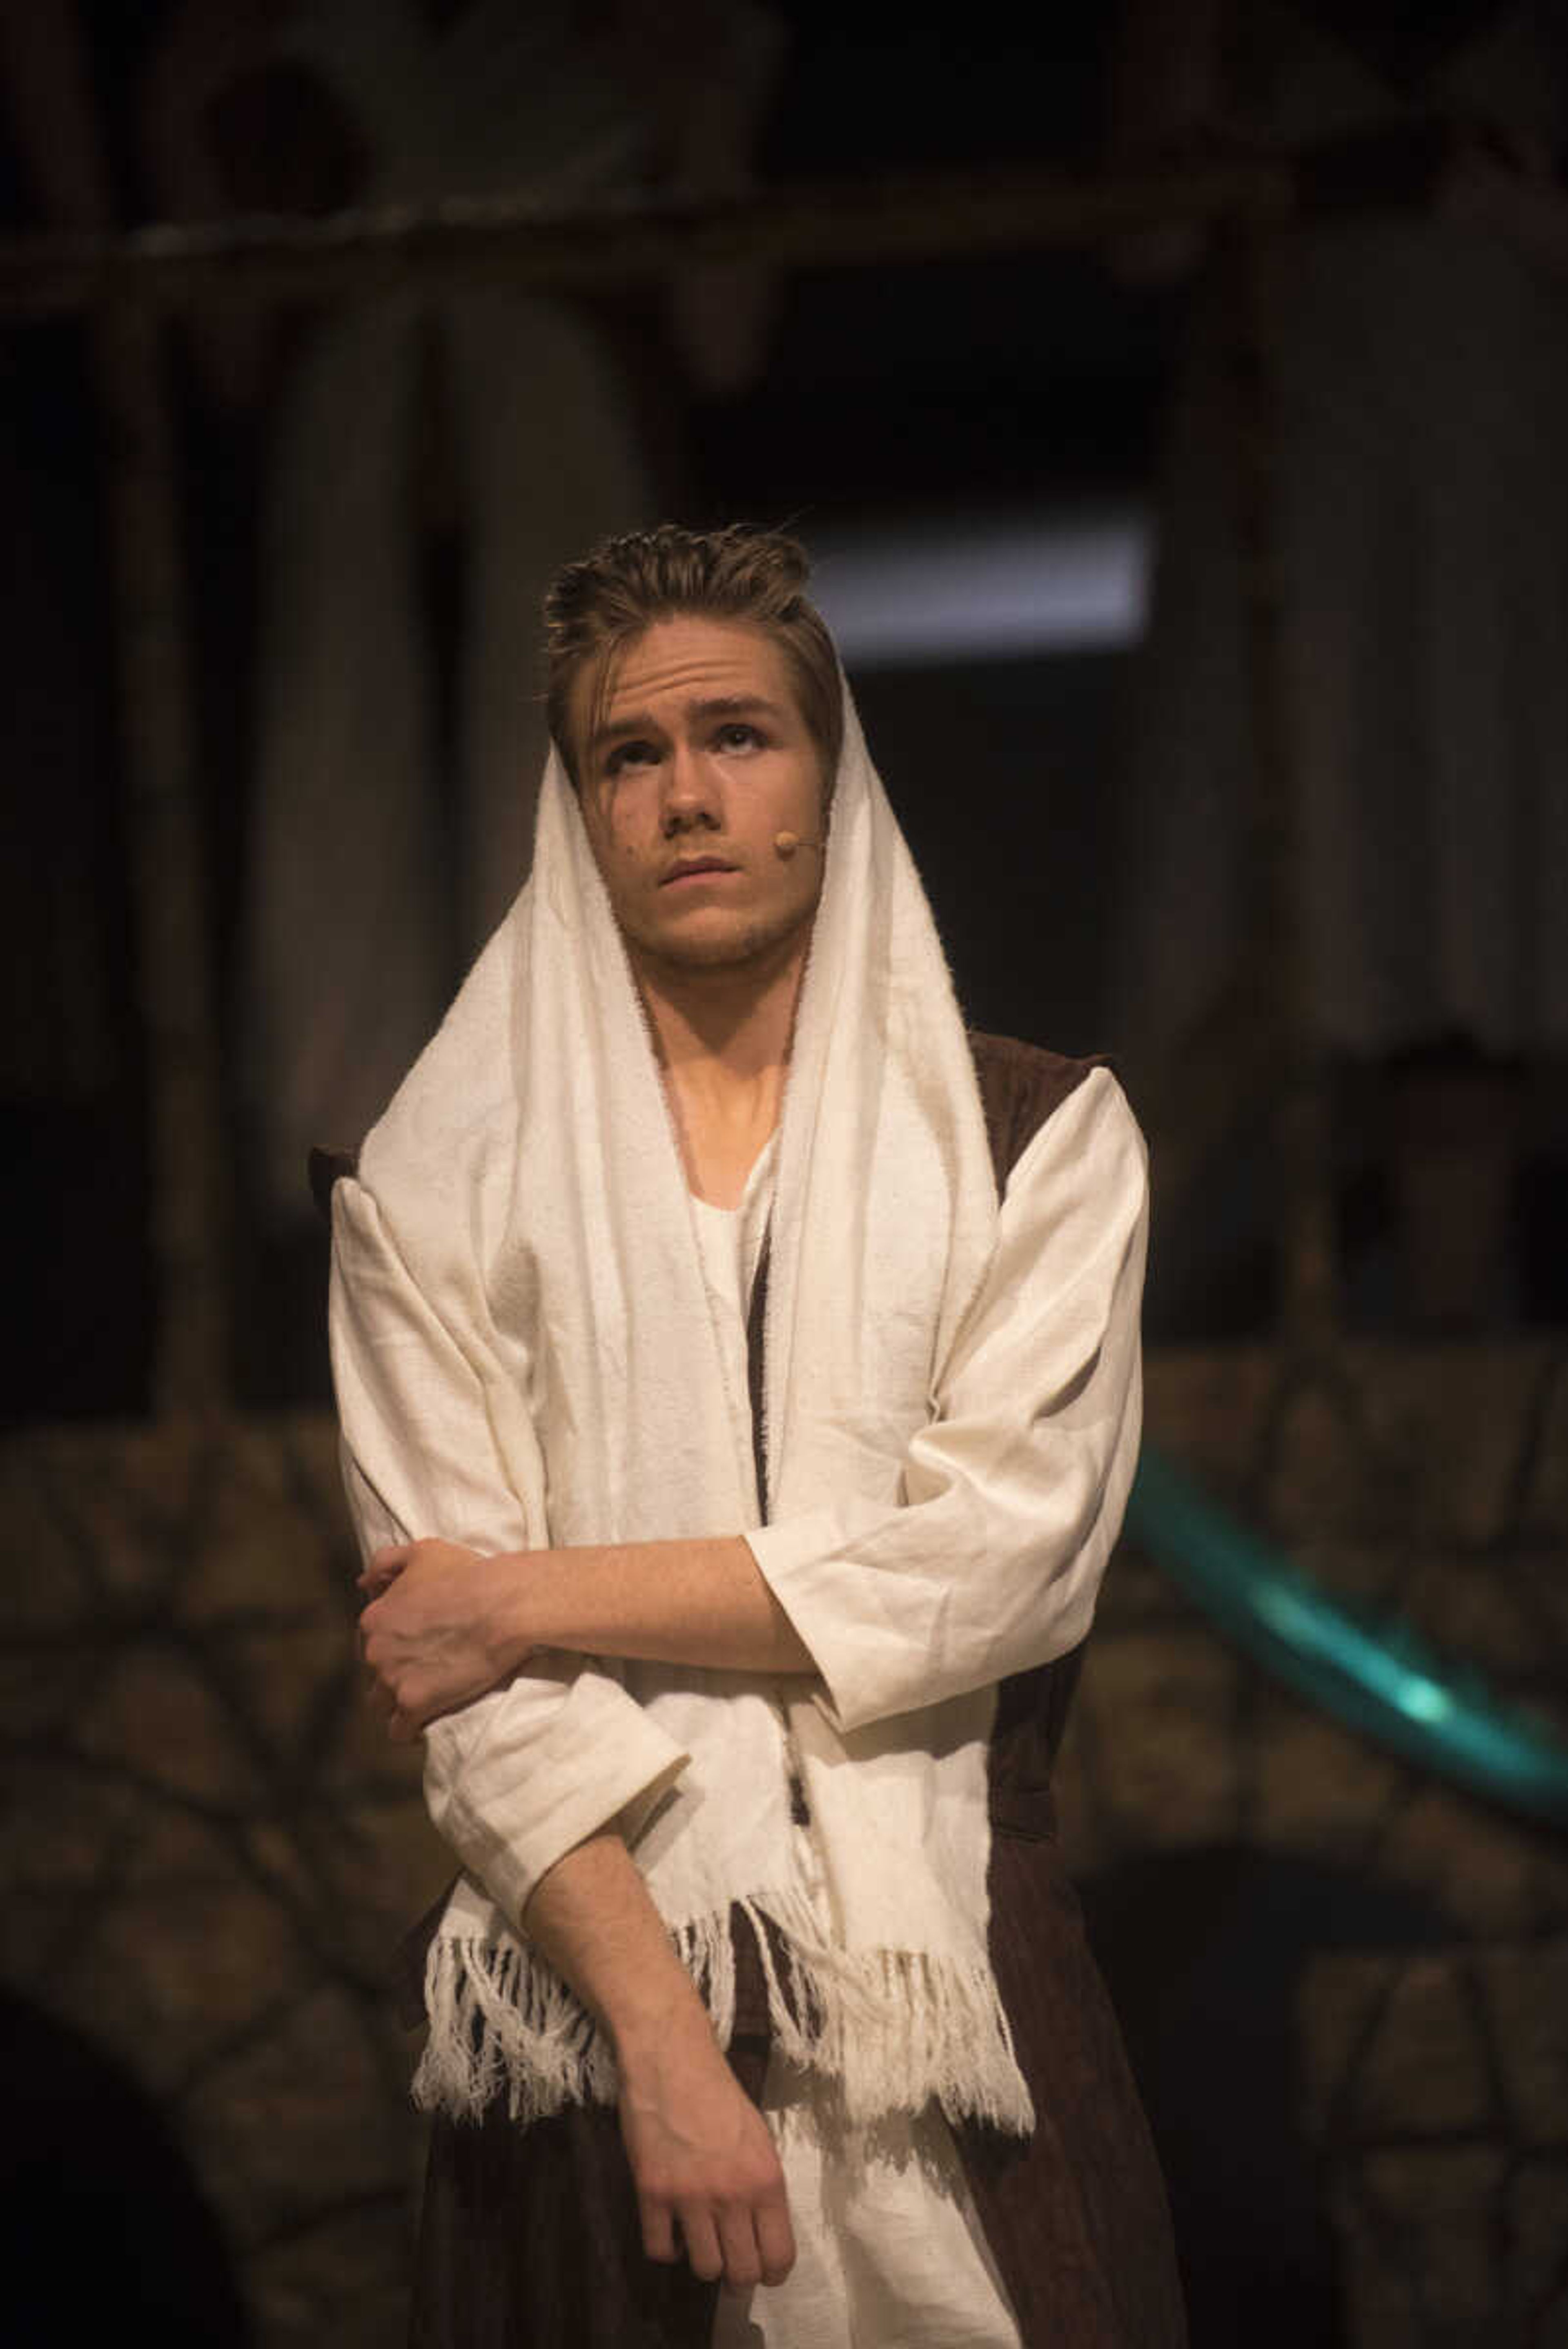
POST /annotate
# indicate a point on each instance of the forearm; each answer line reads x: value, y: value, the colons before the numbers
x: 703, y: 2164
x: 442, y: 1624
x: 675, y: 1603
x: 593, y: 1918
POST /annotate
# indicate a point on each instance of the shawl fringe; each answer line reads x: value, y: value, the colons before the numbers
x: 891, y: 2029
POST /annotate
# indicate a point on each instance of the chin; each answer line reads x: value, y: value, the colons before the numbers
x: 731, y: 949
x: 710, y: 954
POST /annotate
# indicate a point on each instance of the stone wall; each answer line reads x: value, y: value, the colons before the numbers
x: 210, y: 1850
x: 210, y: 1853
x: 1429, y: 2076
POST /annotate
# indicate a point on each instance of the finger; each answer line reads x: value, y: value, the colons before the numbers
x: 382, y: 1570
x: 657, y: 2230
x: 738, y: 2243
x: 403, y: 1718
x: 369, y: 1668
x: 701, y: 2237
x: 775, y: 2239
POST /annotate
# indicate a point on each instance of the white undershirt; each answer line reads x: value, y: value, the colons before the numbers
x: 739, y: 1230
x: 729, y: 1242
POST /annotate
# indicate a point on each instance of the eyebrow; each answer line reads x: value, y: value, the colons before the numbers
x: 719, y: 705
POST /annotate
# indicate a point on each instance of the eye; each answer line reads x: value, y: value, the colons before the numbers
x: 631, y: 754
x: 736, y: 734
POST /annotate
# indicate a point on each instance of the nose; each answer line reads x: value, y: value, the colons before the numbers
x: 690, y: 790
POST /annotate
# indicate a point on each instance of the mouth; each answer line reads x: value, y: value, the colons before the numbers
x: 694, y: 868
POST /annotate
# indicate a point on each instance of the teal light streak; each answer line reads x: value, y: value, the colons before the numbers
x: 1424, y: 1700
x: 1377, y: 1677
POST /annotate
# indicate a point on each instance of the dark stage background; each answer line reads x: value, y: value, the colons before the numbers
x: 1359, y: 1283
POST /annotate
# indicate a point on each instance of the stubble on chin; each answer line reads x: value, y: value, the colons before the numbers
x: 756, y: 946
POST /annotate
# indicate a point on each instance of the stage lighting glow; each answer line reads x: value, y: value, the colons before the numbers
x: 984, y: 590
x: 1423, y: 1699
x: 1376, y: 1676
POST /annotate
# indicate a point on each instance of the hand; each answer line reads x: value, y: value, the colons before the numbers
x: 433, y: 1630
x: 703, y: 2159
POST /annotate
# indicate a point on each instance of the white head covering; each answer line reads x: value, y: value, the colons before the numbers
x: 530, y: 1176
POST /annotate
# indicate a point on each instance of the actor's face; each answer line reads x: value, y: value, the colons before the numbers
x: 698, y: 759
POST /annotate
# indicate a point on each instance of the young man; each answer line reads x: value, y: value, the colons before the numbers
x: 720, y: 1440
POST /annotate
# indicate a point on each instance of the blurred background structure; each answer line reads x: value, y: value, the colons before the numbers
x: 1175, y: 399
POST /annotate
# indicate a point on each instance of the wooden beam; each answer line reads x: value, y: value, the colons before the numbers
x: 848, y: 225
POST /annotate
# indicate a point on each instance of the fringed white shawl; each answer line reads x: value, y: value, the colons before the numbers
x: 525, y: 1356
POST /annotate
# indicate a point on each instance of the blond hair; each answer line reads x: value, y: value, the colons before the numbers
x: 595, y: 608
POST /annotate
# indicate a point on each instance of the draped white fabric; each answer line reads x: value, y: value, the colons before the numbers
x: 526, y: 1352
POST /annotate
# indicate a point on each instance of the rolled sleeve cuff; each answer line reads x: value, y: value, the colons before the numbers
x: 802, y: 1563
x: 512, y: 1811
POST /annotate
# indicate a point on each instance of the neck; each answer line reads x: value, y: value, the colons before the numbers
x: 729, y: 1025
x: 722, y: 1037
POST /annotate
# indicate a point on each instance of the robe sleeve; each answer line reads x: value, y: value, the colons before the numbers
x: 1014, y: 1494
x: 518, y: 1778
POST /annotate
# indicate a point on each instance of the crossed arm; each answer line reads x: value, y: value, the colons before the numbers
x: 443, y: 1624
x: 702, y: 2158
